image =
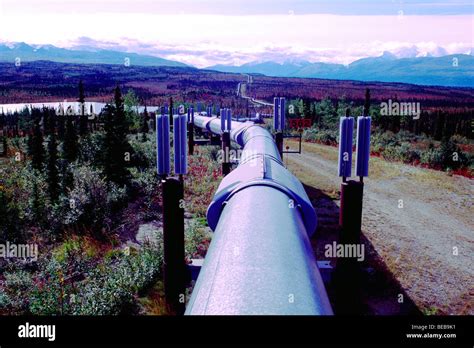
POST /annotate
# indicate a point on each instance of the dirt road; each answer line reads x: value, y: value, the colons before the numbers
x: 419, y: 221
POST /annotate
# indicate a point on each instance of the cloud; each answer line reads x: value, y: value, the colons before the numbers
x: 207, y: 53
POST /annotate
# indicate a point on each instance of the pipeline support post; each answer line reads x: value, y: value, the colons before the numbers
x: 226, y: 125
x: 173, y: 208
x: 279, y: 120
x: 173, y: 240
x: 279, y: 142
x: 226, y: 165
x: 347, y: 277
x: 350, y: 214
x: 191, y: 131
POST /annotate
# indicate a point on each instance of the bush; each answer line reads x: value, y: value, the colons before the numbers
x: 323, y: 136
x: 51, y: 295
x: 107, y: 288
x: 459, y: 139
x: 90, y: 204
x: 147, y: 184
x: 144, y: 153
x: 90, y: 149
x: 447, y: 156
x: 111, y: 287
x: 16, y: 284
x: 197, y: 239
x: 403, y: 153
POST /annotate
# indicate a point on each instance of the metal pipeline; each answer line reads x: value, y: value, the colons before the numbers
x: 260, y: 260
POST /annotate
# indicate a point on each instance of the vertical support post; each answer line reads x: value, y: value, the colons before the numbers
x: 229, y: 120
x: 179, y: 142
x: 173, y: 219
x: 279, y: 142
x: 191, y: 131
x: 279, y: 122
x: 282, y: 114
x: 347, y: 277
x: 346, y: 127
x: 226, y: 165
x: 363, y: 146
x: 173, y: 240
x: 225, y: 138
x: 276, y: 114
x: 163, y: 145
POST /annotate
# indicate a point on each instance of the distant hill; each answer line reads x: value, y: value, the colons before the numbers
x: 9, y: 52
x: 438, y: 71
x: 45, y: 81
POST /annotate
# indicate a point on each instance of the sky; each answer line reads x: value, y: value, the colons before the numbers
x: 207, y: 32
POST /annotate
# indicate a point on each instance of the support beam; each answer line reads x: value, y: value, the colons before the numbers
x: 226, y: 165
x: 173, y: 240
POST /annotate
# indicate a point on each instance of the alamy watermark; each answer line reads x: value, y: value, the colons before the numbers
x: 20, y: 251
x: 394, y: 108
x: 345, y: 251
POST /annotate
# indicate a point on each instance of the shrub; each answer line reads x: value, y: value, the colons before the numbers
x: 144, y: 153
x: 110, y: 287
x: 447, y: 156
x: 51, y: 294
x: 90, y: 204
x: 323, y: 136
x: 17, y: 284
x: 459, y: 139
x: 197, y: 239
x: 90, y: 148
x: 147, y: 184
x: 403, y: 153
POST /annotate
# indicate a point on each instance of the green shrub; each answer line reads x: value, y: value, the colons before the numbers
x: 459, y: 139
x: 110, y: 287
x: 90, y: 204
x: 197, y: 239
x: 52, y: 292
x: 17, y: 284
x: 403, y: 153
x: 323, y: 136
x: 447, y: 156
x: 90, y: 148
x: 144, y: 153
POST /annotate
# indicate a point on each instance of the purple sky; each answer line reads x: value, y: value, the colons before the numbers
x: 207, y: 32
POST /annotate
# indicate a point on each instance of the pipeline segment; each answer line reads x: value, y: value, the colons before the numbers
x: 260, y: 260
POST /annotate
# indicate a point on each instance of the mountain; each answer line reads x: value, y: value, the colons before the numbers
x: 451, y: 70
x: 11, y: 51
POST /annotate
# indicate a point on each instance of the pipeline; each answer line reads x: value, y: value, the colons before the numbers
x: 260, y: 261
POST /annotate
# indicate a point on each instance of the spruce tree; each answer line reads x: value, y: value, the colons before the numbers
x: 367, y: 103
x: 52, y: 169
x: 70, y: 150
x: 144, y: 126
x: 36, y: 205
x: 5, y: 145
x: 37, y: 148
x: 83, y: 128
x: 61, y: 127
x: 116, y: 146
x: 170, y: 111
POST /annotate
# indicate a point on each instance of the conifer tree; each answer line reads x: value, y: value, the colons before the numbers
x: 170, y: 111
x: 52, y: 169
x: 5, y: 145
x: 36, y: 144
x: 144, y: 126
x: 61, y: 127
x: 116, y: 147
x: 367, y: 102
x: 70, y: 149
x: 83, y: 127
